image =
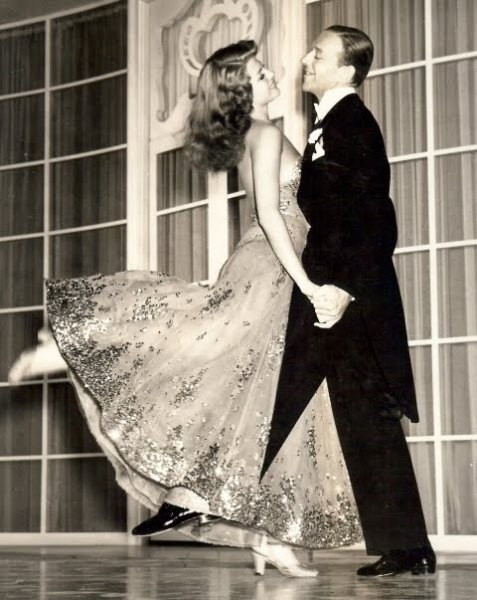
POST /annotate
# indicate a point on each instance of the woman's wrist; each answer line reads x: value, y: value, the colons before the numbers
x: 307, y: 287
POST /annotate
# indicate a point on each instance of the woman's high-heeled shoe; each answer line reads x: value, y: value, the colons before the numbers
x: 282, y: 558
x: 39, y: 360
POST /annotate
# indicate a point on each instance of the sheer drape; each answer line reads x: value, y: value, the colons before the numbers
x: 182, y: 244
x: 456, y: 185
x: 182, y: 237
x: 177, y: 182
x: 87, y: 191
x: 455, y: 106
x: 21, y: 193
x: 22, y: 58
x: 21, y: 260
x: 89, y: 44
x: 396, y: 28
x: 454, y: 26
x: 410, y: 195
x: 82, y: 495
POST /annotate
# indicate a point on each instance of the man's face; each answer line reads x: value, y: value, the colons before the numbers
x: 321, y: 66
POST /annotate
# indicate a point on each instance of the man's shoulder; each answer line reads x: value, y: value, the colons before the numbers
x: 352, y: 119
x: 352, y: 111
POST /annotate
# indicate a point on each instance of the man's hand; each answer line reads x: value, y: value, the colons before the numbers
x: 330, y: 303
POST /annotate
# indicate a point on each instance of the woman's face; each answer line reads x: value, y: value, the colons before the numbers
x: 263, y: 82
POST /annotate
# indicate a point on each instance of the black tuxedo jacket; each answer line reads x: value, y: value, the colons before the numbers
x: 344, y: 196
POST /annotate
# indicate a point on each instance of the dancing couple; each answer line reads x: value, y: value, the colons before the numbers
x: 263, y: 411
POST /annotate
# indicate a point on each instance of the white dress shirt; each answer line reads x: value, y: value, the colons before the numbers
x: 330, y: 98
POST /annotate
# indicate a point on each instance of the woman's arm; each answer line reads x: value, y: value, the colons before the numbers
x: 265, y: 150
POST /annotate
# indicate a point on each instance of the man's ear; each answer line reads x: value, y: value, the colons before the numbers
x: 346, y: 74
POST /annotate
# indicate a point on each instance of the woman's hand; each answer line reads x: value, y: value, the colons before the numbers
x: 310, y: 290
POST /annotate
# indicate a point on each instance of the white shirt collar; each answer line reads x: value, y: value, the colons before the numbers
x: 330, y: 98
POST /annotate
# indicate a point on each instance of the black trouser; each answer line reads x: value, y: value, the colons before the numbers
x: 374, y: 448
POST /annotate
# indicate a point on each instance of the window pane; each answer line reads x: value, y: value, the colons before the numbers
x: 88, y: 253
x: 88, y: 117
x: 457, y: 273
x: 89, y: 43
x: 177, y: 181
x: 22, y: 58
x: 458, y: 373
x: 240, y: 219
x: 456, y: 185
x: 90, y: 190
x: 182, y: 244
x: 398, y: 101
x: 22, y: 126
x: 409, y: 192
x: 20, y: 420
x: 21, y: 207
x: 19, y: 331
x: 460, y: 487
x: 396, y: 28
x: 413, y: 275
x: 422, y: 454
x: 87, y: 498
x: 454, y: 26
x: 421, y: 358
x: 20, y: 482
x: 456, y: 109
x: 21, y: 265
x: 67, y: 430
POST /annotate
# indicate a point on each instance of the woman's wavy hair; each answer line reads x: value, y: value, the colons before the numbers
x: 220, y: 115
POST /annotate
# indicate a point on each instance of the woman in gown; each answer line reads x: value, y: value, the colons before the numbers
x: 177, y: 381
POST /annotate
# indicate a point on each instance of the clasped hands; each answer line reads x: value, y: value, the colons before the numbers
x: 329, y: 302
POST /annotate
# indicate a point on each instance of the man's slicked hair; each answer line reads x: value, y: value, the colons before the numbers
x: 358, y: 50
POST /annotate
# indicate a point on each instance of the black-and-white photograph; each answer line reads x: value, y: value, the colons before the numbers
x: 238, y: 351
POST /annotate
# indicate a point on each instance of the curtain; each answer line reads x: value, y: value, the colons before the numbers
x: 455, y: 89
x: 21, y: 205
x: 454, y: 26
x: 178, y: 182
x: 81, y: 495
x: 410, y: 195
x: 90, y: 190
x: 88, y: 252
x: 22, y: 58
x: 460, y: 487
x: 85, y: 496
x: 21, y: 260
x: 182, y: 237
x: 89, y: 117
x: 182, y: 244
x: 89, y: 44
x: 396, y: 28
x: 22, y: 127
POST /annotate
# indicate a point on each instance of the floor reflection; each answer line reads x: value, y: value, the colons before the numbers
x: 183, y: 572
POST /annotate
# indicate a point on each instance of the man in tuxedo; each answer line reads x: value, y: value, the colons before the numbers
x: 360, y: 343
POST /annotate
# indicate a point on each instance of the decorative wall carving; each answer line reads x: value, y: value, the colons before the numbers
x: 247, y: 12
x: 189, y: 30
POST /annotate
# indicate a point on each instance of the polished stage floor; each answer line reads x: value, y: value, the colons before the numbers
x: 183, y: 572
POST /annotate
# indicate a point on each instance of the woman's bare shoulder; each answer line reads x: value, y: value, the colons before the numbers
x: 264, y: 132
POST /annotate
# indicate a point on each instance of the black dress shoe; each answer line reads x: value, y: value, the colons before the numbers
x: 169, y: 516
x: 419, y: 561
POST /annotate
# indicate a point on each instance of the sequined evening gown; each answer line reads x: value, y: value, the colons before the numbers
x: 177, y: 384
